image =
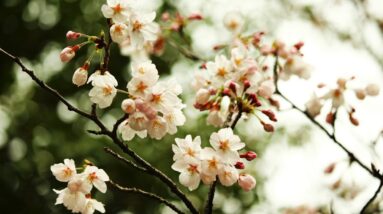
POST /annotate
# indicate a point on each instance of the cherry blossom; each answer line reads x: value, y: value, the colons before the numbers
x: 118, y: 10
x: 64, y: 171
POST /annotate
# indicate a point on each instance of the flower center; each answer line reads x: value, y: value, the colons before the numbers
x: 193, y: 168
x: 221, y: 72
x: 224, y: 145
x: 141, y: 87
x: 117, y: 8
x: 156, y: 98
x: 137, y: 26
x: 107, y: 90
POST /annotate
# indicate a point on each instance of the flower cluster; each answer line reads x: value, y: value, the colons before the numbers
x: 225, y: 85
x: 154, y: 108
x: 222, y: 160
x: 129, y: 24
x: 77, y: 195
x: 336, y: 96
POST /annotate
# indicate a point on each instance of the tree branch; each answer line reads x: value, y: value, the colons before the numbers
x: 364, y: 209
x: 146, y: 194
x: 119, y: 157
x: 112, y: 135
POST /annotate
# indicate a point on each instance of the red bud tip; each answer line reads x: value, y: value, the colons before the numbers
x: 246, y: 84
x: 249, y: 156
x: 299, y: 45
x: 270, y: 115
x: 330, y: 118
x: 203, y: 66
x: 195, y: 17
x: 233, y: 87
x: 71, y: 35
x: 267, y: 127
x: 330, y: 168
x: 226, y: 92
x: 239, y: 165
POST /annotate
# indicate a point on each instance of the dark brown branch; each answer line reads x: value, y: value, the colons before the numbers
x: 93, y: 116
x: 146, y: 194
x: 118, y: 122
x: 119, y: 157
x: 364, y: 209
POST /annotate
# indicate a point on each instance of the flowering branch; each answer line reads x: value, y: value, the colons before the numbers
x: 129, y: 162
x: 105, y: 131
x: 147, y: 194
x: 374, y: 172
x: 209, y: 202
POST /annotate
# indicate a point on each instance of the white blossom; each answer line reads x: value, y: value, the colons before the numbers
x: 119, y: 32
x: 103, y: 96
x: 117, y: 10
x: 64, y: 171
x: 142, y: 28
x: 97, y: 177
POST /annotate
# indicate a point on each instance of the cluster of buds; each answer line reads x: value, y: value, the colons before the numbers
x: 227, y: 85
x: 337, y: 97
x: 104, y: 83
x: 177, y: 22
x: 77, y: 195
x: 220, y: 161
x: 153, y: 107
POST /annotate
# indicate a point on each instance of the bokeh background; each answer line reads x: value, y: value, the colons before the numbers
x: 342, y: 38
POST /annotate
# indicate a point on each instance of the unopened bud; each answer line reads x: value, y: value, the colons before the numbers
x: 195, y: 17
x: 267, y: 127
x: 128, y: 106
x: 68, y: 53
x: 360, y: 94
x: 352, y: 119
x: 330, y: 118
x: 254, y: 100
x: 165, y: 17
x: 246, y: 84
x: 372, y: 89
x: 233, y: 87
x: 80, y: 76
x: 71, y: 35
x: 202, y: 96
x: 250, y: 155
x: 330, y: 168
x: 270, y: 115
x: 239, y: 165
x: 246, y: 182
x: 299, y: 45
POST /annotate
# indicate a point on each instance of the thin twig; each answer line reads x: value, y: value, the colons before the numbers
x: 92, y: 116
x: 119, y: 157
x: 364, y: 209
x: 146, y: 194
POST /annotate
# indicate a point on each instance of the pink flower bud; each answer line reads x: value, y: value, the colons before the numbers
x: 246, y: 182
x: 239, y: 165
x: 233, y: 87
x: 68, y: 53
x: 270, y: 115
x: 202, y: 96
x: 128, y: 106
x: 195, y: 17
x: 330, y: 168
x: 165, y: 17
x: 372, y: 89
x: 149, y: 112
x: 71, y: 35
x: 246, y: 84
x: 330, y: 118
x: 360, y: 94
x: 267, y: 127
x: 249, y: 156
x: 80, y: 76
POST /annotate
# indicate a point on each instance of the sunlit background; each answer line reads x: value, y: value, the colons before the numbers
x: 343, y: 38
